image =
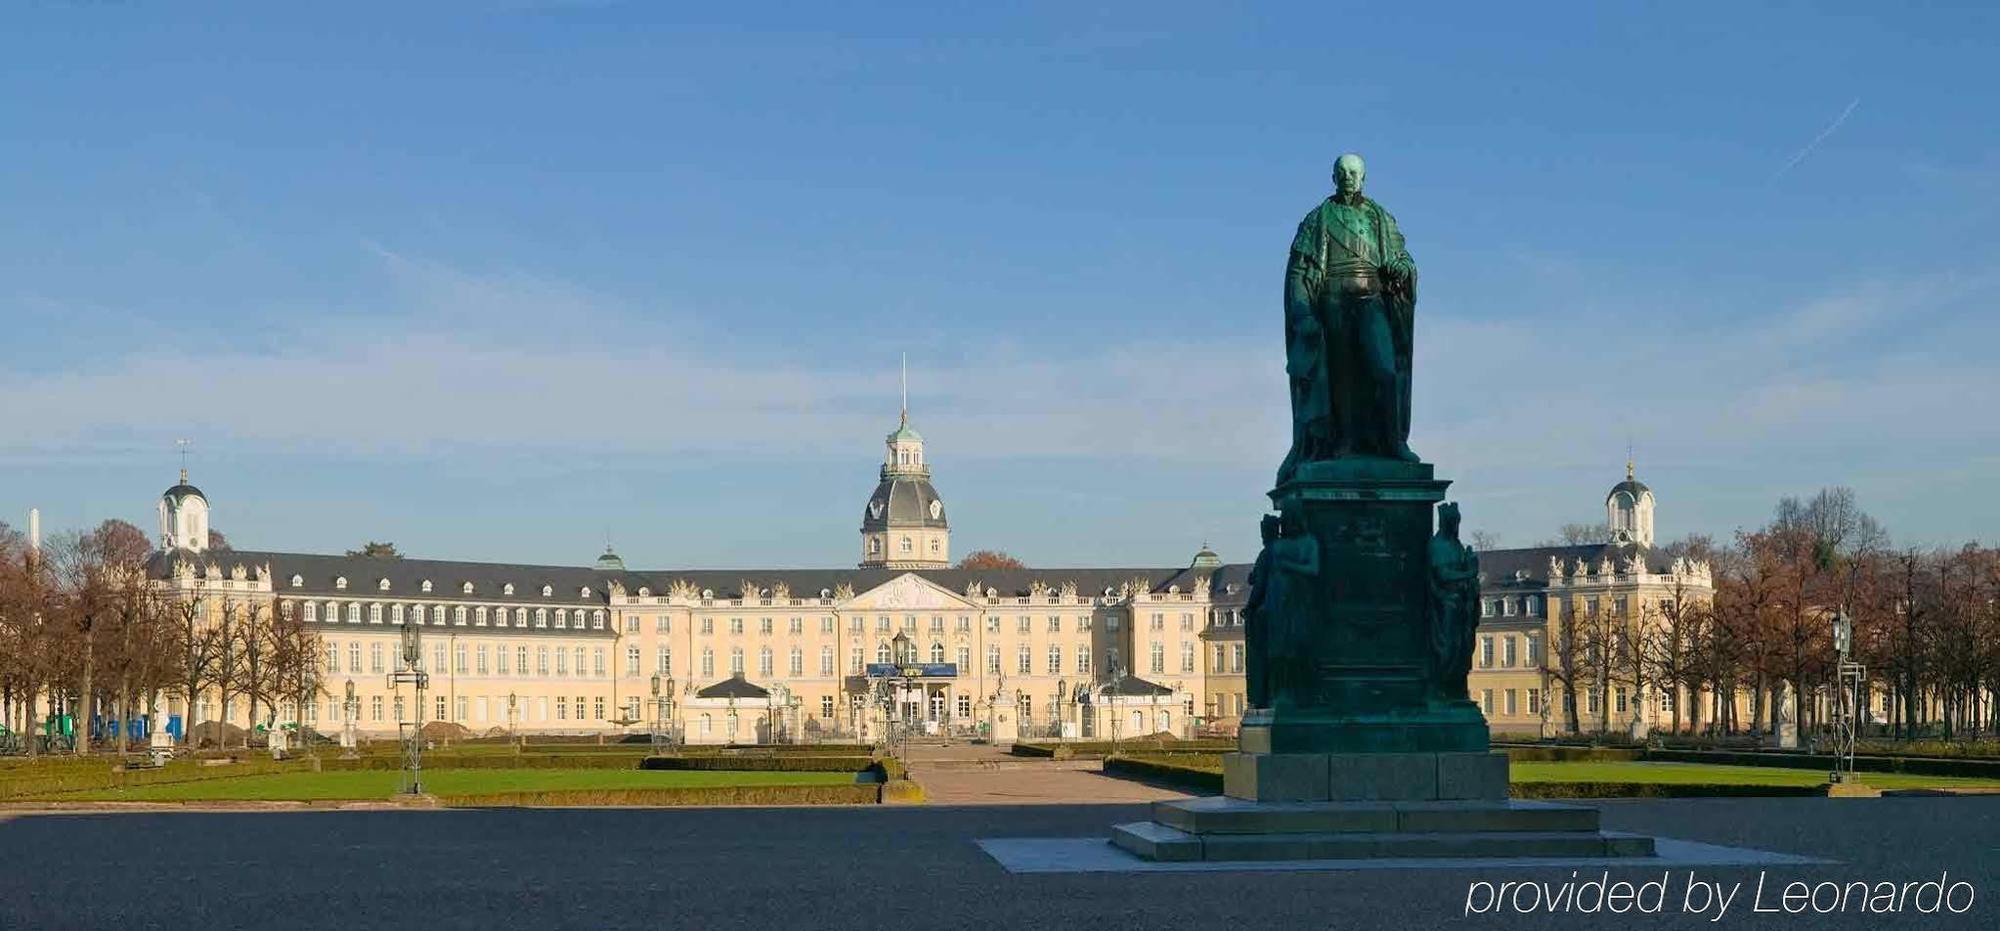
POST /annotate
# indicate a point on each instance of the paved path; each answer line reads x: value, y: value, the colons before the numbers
x: 976, y: 774
x: 873, y: 868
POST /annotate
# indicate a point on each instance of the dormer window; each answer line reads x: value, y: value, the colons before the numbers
x: 340, y: 583
x: 586, y: 591
x: 298, y: 581
x: 548, y: 590
x: 466, y: 588
x: 382, y: 585
x: 507, y: 589
x: 645, y: 592
x: 707, y: 593
x: 427, y: 586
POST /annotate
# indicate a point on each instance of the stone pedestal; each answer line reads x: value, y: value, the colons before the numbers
x: 1366, y: 748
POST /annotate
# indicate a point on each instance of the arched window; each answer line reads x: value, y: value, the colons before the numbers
x: 882, y: 654
x: 937, y: 652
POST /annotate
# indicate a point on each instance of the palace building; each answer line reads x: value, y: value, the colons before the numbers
x: 830, y: 654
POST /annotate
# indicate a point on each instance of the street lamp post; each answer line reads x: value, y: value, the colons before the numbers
x: 513, y: 715
x: 1117, y: 688
x: 1849, y: 708
x: 413, y: 732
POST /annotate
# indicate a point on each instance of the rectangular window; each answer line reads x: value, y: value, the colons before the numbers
x: 826, y: 707
x: 1534, y: 651
x: 562, y: 619
x: 708, y: 625
x: 663, y: 661
x: 1158, y: 655
x: 631, y: 662
x: 1507, y: 606
x: 1511, y: 655
x: 1159, y: 622
x: 1534, y: 701
x: 1486, y: 700
x: 1021, y: 624
x: 964, y: 705
x: 521, y: 661
x: 500, y: 660
x: 541, y: 661
x: 458, y: 659
x: 1486, y: 652
x: 663, y: 625
x: 1055, y: 660
x: 597, y: 662
x: 1187, y: 622
x: 797, y: 666
x: 993, y: 659
x: 1055, y: 625
x: 375, y: 708
x: 1531, y: 605
x: 562, y: 661
x: 1024, y: 662
x: 441, y: 709
x: 1083, y: 623
x: 375, y: 658
x: 1486, y: 607
x: 1083, y: 658
x: 735, y: 625
x: 597, y: 706
x: 992, y: 625
x: 460, y: 709
x: 1187, y: 656
x: 1510, y: 707
x: 1236, y: 657
x: 764, y: 626
x: 354, y: 658
x: 855, y: 659
x: 480, y: 656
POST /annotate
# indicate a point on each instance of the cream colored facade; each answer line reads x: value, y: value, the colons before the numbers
x: 786, y: 654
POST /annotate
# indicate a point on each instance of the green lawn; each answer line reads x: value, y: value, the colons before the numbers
x: 1684, y: 773
x: 1676, y: 773
x: 333, y: 786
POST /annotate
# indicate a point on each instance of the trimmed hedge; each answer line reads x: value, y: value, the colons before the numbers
x: 1658, y: 790
x: 1973, y: 768
x: 902, y: 792
x: 771, y: 764
x: 1170, y: 772
x: 676, y: 795
x: 1572, y: 754
x: 447, y: 760
x: 37, y: 781
x: 1086, y: 749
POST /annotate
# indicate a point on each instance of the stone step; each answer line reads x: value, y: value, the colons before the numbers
x: 1225, y: 815
x: 1154, y: 841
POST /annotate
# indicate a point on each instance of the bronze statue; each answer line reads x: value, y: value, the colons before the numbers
x: 1280, y: 612
x: 1350, y: 306
x: 1453, y: 606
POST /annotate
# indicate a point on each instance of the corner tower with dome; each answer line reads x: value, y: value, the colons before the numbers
x: 183, y: 518
x: 904, y: 526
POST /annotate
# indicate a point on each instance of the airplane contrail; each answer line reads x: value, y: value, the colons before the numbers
x: 1814, y: 144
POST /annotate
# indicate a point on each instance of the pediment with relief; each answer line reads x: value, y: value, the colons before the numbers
x: 908, y: 592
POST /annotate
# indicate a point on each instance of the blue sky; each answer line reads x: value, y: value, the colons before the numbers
x: 499, y: 281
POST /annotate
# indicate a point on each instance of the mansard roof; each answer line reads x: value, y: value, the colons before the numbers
x: 1531, y: 564
x: 319, y: 575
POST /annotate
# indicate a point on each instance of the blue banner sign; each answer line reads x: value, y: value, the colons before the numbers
x: 913, y: 670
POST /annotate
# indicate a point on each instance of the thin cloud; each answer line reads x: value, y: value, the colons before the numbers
x: 1816, y: 140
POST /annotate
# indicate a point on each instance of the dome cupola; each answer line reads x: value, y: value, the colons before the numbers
x: 1628, y: 510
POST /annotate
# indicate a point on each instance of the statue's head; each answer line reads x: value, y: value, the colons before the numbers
x: 1348, y: 172
x: 1268, y: 528
x: 1448, y: 519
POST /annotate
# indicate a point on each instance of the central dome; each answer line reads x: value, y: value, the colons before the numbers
x: 903, y: 501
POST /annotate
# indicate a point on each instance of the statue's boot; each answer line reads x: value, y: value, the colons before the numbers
x: 1405, y: 453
